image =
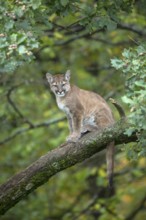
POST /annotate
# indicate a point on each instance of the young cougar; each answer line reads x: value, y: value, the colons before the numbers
x: 85, y: 110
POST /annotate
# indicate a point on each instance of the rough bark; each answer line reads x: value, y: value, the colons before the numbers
x: 64, y: 156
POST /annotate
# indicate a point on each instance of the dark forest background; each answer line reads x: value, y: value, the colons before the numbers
x: 103, y: 44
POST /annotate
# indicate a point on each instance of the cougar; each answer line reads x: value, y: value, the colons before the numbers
x: 86, y: 111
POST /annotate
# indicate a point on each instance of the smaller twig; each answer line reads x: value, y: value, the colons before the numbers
x: 20, y: 131
x: 137, y: 209
x: 90, y: 204
x: 133, y: 40
x: 10, y: 100
x: 74, y: 204
x: 110, y: 42
x: 119, y: 108
x: 15, y: 107
x: 132, y: 28
x: 76, y: 37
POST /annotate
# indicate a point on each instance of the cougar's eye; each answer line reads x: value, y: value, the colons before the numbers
x: 54, y: 84
x: 63, y: 83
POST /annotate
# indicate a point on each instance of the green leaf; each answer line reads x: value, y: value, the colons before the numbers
x: 36, y: 4
x: 19, y: 12
x: 141, y: 50
x: 126, y: 53
x: 129, y: 131
x: 111, y: 25
x: 13, y: 38
x: 21, y: 39
x: 22, y: 49
x: 140, y: 83
x: 127, y: 100
x: 9, y: 25
x: 34, y: 44
x: 3, y: 43
x: 64, y: 2
x: 117, y: 63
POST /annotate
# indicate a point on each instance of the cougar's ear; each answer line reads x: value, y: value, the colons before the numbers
x: 67, y: 75
x: 49, y: 77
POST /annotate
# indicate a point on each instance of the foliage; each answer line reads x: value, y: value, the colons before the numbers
x: 23, y: 22
x: 42, y: 35
x: 17, y: 37
x: 133, y: 65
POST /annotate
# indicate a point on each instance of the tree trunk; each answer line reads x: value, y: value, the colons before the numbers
x: 64, y: 156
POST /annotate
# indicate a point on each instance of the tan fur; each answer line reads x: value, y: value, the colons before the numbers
x: 85, y: 110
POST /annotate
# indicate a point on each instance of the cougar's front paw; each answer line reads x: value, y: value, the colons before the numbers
x: 73, y: 137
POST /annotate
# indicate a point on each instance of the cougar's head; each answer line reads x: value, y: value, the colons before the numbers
x: 60, y: 83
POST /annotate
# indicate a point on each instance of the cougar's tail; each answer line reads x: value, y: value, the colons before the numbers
x: 110, y: 163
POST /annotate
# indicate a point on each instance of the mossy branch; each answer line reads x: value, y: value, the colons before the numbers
x: 69, y: 154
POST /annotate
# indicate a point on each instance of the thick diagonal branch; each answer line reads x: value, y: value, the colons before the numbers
x: 57, y: 160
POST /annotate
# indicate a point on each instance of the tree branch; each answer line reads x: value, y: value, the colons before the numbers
x: 39, y: 125
x: 137, y: 209
x: 11, y: 102
x: 67, y: 155
x: 133, y: 28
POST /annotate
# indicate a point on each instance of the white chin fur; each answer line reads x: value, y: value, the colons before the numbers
x: 60, y: 94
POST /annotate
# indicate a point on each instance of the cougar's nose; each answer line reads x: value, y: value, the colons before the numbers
x: 59, y: 89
